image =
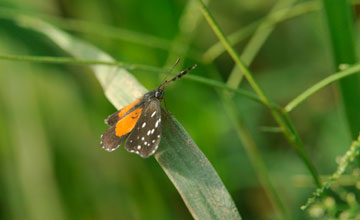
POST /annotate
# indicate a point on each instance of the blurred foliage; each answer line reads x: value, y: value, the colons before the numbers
x: 51, y: 116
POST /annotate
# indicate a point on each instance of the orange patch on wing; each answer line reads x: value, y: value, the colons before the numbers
x: 124, y: 110
x: 127, y: 123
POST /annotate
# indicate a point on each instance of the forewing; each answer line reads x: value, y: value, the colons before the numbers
x: 113, y: 118
x: 121, y: 124
x: 109, y: 140
x: 145, y: 138
x: 127, y: 123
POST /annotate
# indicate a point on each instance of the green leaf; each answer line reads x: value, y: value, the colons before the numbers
x: 186, y: 166
x: 340, y: 20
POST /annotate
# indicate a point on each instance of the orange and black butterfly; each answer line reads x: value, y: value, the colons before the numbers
x: 139, y: 122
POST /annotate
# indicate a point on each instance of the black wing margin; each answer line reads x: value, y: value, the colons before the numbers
x: 113, y: 118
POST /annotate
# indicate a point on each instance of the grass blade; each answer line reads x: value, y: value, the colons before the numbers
x: 286, y: 124
x: 186, y: 166
x: 29, y: 156
x: 273, y: 19
x: 340, y: 17
x: 321, y: 84
x: 101, y: 30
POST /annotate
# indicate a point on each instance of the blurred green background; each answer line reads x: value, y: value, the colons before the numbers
x: 51, y: 116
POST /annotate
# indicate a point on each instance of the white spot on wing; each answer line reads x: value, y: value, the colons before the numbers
x: 142, y: 138
x: 152, y: 131
x: 148, y: 133
x: 158, y: 136
x: 145, y: 143
x: 153, y: 141
x: 138, y: 147
x: 143, y: 125
x: 152, y: 115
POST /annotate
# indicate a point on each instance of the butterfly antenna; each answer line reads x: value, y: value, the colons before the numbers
x: 181, y: 74
x: 172, y: 68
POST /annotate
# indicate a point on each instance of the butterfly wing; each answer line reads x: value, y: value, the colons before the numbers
x: 145, y: 138
x: 114, y: 118
x: 109, y: 141
x: 120, y: 129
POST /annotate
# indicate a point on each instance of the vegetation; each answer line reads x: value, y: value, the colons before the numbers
x: 269, y: 119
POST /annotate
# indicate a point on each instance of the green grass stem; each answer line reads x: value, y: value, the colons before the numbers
x: 130, y: 67
x: 289, y: 133
x: 355, y: 69
x: 275, y: 17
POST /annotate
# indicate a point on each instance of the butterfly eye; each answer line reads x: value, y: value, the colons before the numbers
x: 159, y: 94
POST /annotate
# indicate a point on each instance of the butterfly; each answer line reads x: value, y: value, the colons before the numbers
x: 139, y: 123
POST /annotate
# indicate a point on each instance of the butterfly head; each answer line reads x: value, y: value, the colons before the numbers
x: 159, y: 93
